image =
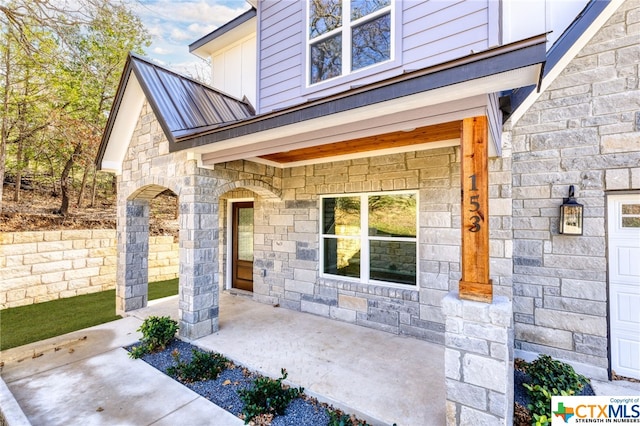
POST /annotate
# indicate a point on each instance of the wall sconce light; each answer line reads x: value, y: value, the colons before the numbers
x: 571, y: 215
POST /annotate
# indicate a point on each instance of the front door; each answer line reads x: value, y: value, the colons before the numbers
x: 624, y: 283
x: 242, y: 246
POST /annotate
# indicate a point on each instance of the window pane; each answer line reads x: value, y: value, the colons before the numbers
x: 360, y: 8
x: 324, y: 16
x: 392, y: 215
x: 371, y: 42
x: 326, y: 59
x: 393, y: 261
x: 341, y: 216
x: 245, y: 234
x: 631, y: 209
x: 631, y: 222
x: 342, y: 257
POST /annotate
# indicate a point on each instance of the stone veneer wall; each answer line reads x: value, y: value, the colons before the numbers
x: 45, y: 265
x: 286, y: 267
x: 584, y: 130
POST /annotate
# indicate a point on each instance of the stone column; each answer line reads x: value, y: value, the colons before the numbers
x: 199, y: 292
x: 133, y: 254
x: 478, y: 361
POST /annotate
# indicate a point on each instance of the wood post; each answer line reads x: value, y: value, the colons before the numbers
x: 474, y: 174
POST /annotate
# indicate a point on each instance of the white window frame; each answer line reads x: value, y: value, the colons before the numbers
x: 346, y: 29
x: 364, y: 238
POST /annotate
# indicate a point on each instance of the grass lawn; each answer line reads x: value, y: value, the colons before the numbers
x: 27, y: 324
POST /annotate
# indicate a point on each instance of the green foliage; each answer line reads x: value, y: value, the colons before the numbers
x: 60, y: 65
x: 267, y: 396
x: 550, y: 373
x: 203, y: 366
x: 338, y: 418
x: 550, y: 377
x: 157, y: 332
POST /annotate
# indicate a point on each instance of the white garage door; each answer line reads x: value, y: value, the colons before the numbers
x: 624, y: 283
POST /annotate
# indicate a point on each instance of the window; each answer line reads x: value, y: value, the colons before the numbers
x: 370, y: 237
x: 347, y: 35
x: 631, y: 215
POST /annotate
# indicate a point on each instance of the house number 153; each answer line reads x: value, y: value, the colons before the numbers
x: 473, y: 201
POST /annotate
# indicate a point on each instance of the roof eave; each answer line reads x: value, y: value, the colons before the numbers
x: 196, y: 46
x: 516, y: 55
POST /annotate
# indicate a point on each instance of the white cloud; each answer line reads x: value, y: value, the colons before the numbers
x: 179, y: 35
x: 161, y: 50
x: 173, y: 25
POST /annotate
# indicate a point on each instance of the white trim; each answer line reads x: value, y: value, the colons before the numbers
x: 586, y: 36
x: 198, y: 159
x: 624, y: 286
x: 364, y: 238
x: 346, y: 28
x: 124, y: 125
x: 448, y: 103
x: 226, y: 285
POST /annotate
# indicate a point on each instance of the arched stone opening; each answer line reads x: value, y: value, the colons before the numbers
x: 133, y: 249
x: 235, y: 197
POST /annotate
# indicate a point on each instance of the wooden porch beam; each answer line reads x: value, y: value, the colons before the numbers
x: 474, y: 174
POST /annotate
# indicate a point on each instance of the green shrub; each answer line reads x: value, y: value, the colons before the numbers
x: 550, y: 377
x: 267, y: 396
x: 157, y: 332
x: 338, y: 418
x: 203, y: 366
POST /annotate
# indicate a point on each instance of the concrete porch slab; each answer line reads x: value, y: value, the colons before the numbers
x: 381, y: 377
x: 87, y: 378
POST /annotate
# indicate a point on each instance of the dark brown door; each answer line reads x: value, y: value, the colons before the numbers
x: 242, y: 246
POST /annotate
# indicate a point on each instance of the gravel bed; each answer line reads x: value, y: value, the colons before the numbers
x: 224, y: 390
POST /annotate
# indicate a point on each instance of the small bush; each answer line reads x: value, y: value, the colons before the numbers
x: 157, y: 332
x: 338, y: 418
x: 267, y: 396
x: 550, y: 377
x: 203, y: 366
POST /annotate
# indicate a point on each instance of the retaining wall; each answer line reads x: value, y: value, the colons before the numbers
x: 45, y: 265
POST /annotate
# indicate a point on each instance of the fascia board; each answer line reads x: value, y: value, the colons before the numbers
x: 440, y: 103
x: 124, y: 125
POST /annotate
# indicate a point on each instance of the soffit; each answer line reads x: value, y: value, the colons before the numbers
x: 417, y: 99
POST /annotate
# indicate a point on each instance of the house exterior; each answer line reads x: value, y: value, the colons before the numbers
x: 400, y: 165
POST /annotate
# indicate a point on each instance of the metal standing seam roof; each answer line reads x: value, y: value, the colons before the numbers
x: 186, y: 106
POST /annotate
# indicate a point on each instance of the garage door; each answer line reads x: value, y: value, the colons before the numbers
x: 624, y: 283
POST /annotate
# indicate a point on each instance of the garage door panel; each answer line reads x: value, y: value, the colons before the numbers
x: 624, y: 283
x: 628, y: 302
x: 629, y: 359
x: 628, y: 263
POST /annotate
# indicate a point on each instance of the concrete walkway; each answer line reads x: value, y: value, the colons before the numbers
x: 87, y: 378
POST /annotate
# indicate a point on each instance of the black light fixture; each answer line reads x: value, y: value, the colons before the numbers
x: 571, y: 215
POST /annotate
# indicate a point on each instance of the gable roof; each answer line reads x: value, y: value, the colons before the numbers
x: 183, y: 106
x: 566, y: 47
x: 204, y: 46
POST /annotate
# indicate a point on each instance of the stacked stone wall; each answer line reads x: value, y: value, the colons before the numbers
x: 287, y: 252
x: 584, y: 130
x: 40, y: 266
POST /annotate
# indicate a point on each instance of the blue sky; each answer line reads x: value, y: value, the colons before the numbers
x: 173, y: 25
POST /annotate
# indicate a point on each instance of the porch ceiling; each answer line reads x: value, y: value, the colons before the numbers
x: 393, y: 141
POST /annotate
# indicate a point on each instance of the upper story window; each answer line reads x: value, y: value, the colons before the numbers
x: 347, y: 35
